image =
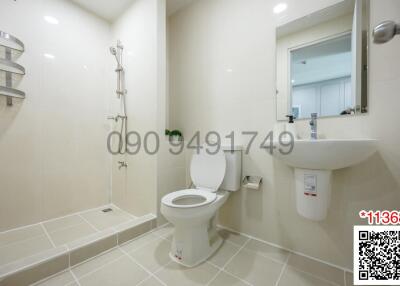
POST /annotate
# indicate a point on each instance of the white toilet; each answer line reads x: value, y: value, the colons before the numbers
x: 193, y: 212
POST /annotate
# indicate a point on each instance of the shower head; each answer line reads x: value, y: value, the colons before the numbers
x: 113, y: 51
x: 385, y: 31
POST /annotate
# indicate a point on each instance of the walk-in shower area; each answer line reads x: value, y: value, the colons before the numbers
x: 74, y: 77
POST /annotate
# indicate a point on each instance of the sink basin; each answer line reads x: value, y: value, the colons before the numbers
x: 327, y: 154
x: 314, y: 161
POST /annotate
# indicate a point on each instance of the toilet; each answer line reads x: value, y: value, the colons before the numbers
x: 193, y: 211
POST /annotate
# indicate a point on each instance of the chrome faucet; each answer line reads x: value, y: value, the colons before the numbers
x: 313, y: 124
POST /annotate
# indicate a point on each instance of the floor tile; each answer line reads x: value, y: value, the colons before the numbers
x: 102, y: 220
x: 20, y: 234
x: 119, y: 273
x: 232, y: 237
x: 291, y: 276
x: 139, y: 242
x: 349, y: 279
x: 64, y: 222
x: 62, y: 279
x: 174, y: 274
x: 317, y: 269
x: 97, y: 262
x: 153, y: 255
x: 24, y: 248
x: 151, y: 282
x: 165, y: 232
x: 225, y: 279
x: 224, y: 253
x: 69, y: 234
x: 267, y: 250
x: 254, y: 268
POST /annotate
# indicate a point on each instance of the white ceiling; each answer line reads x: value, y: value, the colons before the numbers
x: 110, y: 10
x: 106, y: 9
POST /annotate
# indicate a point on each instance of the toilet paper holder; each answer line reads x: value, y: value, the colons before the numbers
x: 252, y: 182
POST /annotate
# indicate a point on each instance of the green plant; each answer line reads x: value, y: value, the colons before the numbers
x: 173, y: 133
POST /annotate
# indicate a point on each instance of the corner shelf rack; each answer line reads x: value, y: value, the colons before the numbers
x: 11, y: 48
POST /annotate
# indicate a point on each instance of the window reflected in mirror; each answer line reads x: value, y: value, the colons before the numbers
x: 322, y: 62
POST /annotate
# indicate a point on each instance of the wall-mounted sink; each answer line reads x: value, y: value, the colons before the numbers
x: 314, y: 161
x: 328, y: 154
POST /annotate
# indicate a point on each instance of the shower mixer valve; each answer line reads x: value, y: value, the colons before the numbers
x: 116, y: 118
x: 122, y: 164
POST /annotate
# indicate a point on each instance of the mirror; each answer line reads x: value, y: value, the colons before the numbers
x: 322, y: 62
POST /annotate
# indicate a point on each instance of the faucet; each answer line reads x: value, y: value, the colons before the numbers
x: 313, y: 124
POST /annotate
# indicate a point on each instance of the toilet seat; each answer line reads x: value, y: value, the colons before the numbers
x: 205, y: 197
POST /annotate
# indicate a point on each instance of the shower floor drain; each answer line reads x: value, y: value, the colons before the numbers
x: 107, y: 210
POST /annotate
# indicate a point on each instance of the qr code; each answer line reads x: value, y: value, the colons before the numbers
x: 377, y: 255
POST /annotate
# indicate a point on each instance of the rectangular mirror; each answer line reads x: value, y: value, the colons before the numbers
x: 322, y: 62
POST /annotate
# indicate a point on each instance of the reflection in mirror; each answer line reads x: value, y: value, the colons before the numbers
x: 322, y: 62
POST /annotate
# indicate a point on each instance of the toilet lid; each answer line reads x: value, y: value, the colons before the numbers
x: 208, y: 171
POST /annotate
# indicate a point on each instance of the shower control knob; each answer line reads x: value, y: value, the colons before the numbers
x: 122, y: 164
x: 115, y: 118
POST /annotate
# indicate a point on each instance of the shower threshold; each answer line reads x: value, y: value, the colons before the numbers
x: 30, y: 253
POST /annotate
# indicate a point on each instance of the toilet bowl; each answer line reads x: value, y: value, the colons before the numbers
x: 193, y: 211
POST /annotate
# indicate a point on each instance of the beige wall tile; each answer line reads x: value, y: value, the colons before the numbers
x: 204, y: 97
x: 52, y: 143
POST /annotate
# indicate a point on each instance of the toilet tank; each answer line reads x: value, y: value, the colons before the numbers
x: 233, y: 174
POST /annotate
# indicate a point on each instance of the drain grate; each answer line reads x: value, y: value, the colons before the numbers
x: 107, y: 210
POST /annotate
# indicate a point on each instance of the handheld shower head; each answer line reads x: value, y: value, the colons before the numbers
x: 385, y: 32
x: 113, y: 51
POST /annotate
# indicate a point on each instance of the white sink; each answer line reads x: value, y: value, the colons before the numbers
x: 314, y: 161
x: 327, y: 154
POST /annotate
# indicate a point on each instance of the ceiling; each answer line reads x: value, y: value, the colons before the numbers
x: 110, y: 10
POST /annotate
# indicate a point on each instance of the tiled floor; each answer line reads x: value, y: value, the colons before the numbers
x: 24, y: 242
x: 240, y: 261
